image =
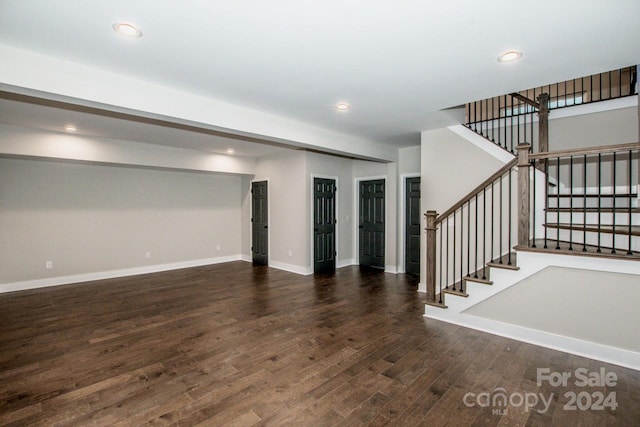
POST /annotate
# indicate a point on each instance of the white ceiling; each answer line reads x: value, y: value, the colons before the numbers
x: 396, y: 62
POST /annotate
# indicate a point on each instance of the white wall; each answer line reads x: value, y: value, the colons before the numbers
x: 451, y: 167
x: 610, y: 127
x: 408, y: 165
x: 288, y: 212
x: 24, y: 142
x: 89, y: 218
x: 324, y: 166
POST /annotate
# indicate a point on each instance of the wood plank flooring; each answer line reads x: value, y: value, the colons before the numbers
x: 233, y: 344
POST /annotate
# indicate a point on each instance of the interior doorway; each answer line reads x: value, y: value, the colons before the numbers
x: 324, y: 225
x: 259, y: 223
x: 412, y: 225
x: 372, y: 223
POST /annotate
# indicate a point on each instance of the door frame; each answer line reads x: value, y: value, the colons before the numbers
x: 356, y: 214
x: 268, y: 218
x: 337, y: 204
x: 402, y: 216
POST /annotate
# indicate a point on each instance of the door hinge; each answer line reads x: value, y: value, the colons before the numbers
x: 251, y: 219
x: 251, y: 248
x: 335, y: 221
x: 335, y: 253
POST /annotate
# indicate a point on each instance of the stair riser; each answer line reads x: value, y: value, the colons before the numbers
x: 606, y: 218
x: 579, y: 202
x: 606, y: 239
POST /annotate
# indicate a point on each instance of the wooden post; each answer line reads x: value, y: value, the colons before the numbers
x: 431, y: 256
x: 543, y: 123
x: 523, y: 194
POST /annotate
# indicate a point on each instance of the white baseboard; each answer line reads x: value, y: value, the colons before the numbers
x: 345, y: 263
x: 305, y: 271
x: 87, y: 277
x: 422, y: 287
x: 246, y: 258
x: 531, y: 263
x: 393, y: 269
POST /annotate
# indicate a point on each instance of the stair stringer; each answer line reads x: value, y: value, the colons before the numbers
x: 529, y: 264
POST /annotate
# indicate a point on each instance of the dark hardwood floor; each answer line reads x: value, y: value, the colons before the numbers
x: 232, y: 344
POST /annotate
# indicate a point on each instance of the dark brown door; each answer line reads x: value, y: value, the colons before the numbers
x: 412, y: 226
x: 371, y: 233
x: 324, y: 225
x: 259, y: 223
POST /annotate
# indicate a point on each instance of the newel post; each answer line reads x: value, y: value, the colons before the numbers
x: 523, y: 194
x: 431, y: 255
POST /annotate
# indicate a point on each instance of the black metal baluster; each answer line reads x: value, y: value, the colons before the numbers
x: 506, y: 139
x: 453, y: 265
x: 475, y: 116
x: 500, y: 244
x: 571, y: 203
x: 613, y: 215
x: 446, y: 283
x: 462, y: 244
x: 485, y: 115
x: 531, y: 126
x: 476, y: 241
x: 629, y: 251
x: 584, y: 205
x: 518, y: 140
x: 610, y: 95
x: 441, y: 256
x: 575, y: 91
x: 484, y: 233
x: 546, y: 199
x: 493, y: 129
x: 558, y: 205
x: 600, y: 88
x: 599, y: 200
x: 620, y: 82
x: 492, y: 203
x: 512, y: 113
x: 533, y: 213
x: 510, y: 220
x: 499, y: 121
x: 469, y: 238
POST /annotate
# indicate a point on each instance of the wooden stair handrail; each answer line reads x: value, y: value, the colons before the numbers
x: 477, y: 189
x: 586, y: 151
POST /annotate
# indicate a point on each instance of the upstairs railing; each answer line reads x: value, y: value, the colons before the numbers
x: 508, y: 120
x: 593, y: 205
x: 582, y: 200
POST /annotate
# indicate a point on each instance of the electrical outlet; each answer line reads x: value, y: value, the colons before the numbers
x: 290, y: 254
x: 217, y: 247
x: 48, y: 265
x: 147, y: 255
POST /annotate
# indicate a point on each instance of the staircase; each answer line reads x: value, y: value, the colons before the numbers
x: 572, y: 202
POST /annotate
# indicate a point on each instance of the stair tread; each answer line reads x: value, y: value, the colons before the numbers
x: 592, y: 210
x: 590, y: 195
x: 578, y: 249
x: 505, y: 262
x: 456, y: 292
x: 619, y: 229
x: 478, y: 280
x: 437, y: 302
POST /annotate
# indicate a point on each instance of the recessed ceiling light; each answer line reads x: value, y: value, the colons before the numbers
x: 70, y: 128
x: 510, y: 56
x: 342, y: 106
x: 128, y: 30
x: 230, y: 151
